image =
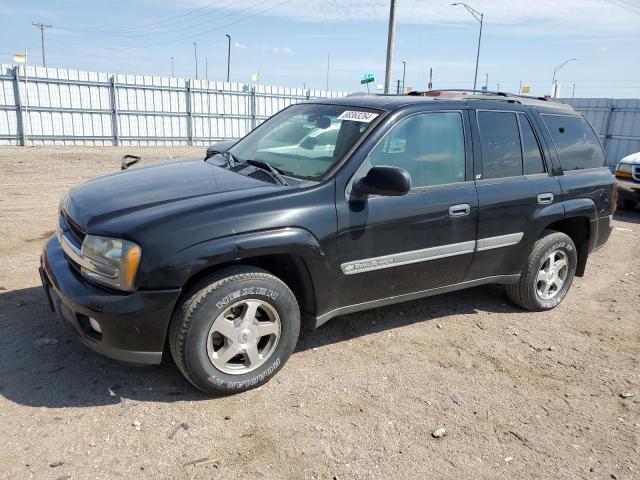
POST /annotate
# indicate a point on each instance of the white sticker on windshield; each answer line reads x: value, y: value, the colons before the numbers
x: 356, y: 116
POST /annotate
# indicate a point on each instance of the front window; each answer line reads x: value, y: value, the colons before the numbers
x: 429, y: 147
x: 305, y: 140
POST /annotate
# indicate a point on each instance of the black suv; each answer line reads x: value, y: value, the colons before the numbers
x: 327, y: 208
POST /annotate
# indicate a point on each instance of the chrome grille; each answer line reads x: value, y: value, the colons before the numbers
x: 71, y: 230
x: 635, y: 172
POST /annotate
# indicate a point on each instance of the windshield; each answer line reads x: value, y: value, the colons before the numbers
x: 305, y: 140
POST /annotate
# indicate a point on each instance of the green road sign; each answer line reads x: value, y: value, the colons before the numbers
x: 366, y: 78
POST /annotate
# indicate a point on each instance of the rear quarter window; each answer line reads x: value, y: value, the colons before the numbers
x: 576, y: 143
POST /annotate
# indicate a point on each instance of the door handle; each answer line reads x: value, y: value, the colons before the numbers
x: 459, y: 210
x: 545, y: 198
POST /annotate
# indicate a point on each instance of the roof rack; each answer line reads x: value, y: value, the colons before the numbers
x: 464, y: 91
x: 459, y: 93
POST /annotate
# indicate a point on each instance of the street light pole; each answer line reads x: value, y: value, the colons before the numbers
x: 173, y: 72
x: 479, y: 16
x: 328, y: 65
x: 228, y: 55
x: 195, y: 56
x: 404, y: 71
x: 391, y: 40
x: 555, y: 70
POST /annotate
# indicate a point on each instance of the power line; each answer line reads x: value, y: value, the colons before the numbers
x: 194, y: 35
x: 632, y: 4
x: 168, y: 21
x: 622, y: 6
x: 188, y: 27
x: 130, y: 33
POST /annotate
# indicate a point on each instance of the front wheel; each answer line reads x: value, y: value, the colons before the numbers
x: 234, y: 330
x: 547, y: 275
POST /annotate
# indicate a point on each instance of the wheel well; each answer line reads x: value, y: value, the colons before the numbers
x: 578, y: 229
x: 291, y: 269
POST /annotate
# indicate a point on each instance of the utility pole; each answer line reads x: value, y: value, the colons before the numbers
x: 486, y: 81
x: 479, y: 16
x: 430, y: 86
x: 398, y: 88
x: 228, y: 55
x: 573, y: 92
x: 328, y: 64
x: 391, y: 40
x: 41, y: 26
x: 195, y: 56
x: 206, y: 68
x: 404, y: 71
x: 555, y: 70
x: 173, y: 72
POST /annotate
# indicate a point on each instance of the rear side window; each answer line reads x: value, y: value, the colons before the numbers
x: 500, y: 138
x: 533, y: 162
x: 577, y: 144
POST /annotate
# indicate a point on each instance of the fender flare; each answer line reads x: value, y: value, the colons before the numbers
x: 294, y: 241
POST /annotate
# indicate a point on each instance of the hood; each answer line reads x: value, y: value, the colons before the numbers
x: 633, y: 158
x: 145, y: 193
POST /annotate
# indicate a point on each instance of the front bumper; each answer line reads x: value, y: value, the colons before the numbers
x: 133, y: 325
x: 628, y: 189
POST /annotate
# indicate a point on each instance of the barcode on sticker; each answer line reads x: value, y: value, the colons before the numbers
x: 356, y: 116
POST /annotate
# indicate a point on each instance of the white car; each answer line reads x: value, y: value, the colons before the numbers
x: 628, y: 178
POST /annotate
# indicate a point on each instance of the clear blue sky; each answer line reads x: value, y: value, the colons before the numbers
x: 288, y: 41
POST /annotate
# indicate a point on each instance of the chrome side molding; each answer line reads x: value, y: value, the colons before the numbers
x: 406, y: 258
x: 499, y: 241
x: 432, y: 253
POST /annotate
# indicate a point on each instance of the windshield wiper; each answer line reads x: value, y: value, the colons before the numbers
x: 275, y: 173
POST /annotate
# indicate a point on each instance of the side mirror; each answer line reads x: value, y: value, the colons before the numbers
x: 383, y: 180
x: 129, y: 160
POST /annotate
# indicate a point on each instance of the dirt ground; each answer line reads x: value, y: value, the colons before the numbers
x: 521, y: 395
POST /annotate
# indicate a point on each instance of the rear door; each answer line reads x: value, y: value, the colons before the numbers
x: 392, y: 246
x: 516, y: 194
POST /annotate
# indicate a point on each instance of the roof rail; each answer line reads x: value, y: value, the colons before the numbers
x: 489, y: 95
x: 464, y: 91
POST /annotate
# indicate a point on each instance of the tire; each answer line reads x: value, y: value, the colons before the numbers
x: 262, y: 341
x: 529, y: 292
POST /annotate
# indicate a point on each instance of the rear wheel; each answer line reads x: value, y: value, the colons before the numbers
x: 547, y: 275
x: 235, y: 330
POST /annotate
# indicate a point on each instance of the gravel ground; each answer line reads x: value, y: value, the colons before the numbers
x: 519, y: 394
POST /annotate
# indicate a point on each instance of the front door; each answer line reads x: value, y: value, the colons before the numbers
x: 393, y: 246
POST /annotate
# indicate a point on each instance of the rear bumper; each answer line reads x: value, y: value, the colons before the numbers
x: 133, y: 325
x: 628, y: 189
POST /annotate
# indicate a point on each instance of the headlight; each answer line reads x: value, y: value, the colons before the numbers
x: 114, y: 262
x: 624, y: 167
